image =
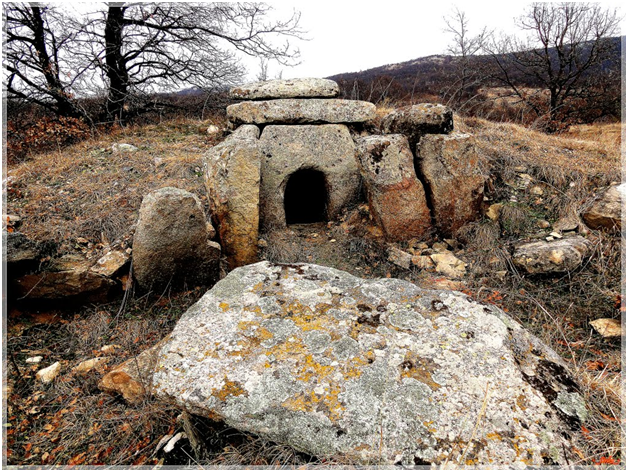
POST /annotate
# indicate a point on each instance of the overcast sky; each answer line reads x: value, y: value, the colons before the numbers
x: 353, y: 36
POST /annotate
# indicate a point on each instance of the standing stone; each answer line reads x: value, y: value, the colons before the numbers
x: 294, y: 88
x: 418, y: 120
x: 606, y: 212
x: 370, y: 371
x: 171, y: 244
x: 325, y: 148
x: 455, y: 185
x: 396, y: 197
x: 301, y: 111
x: 232, y: 179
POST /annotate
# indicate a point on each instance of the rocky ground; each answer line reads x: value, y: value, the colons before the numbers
x: 85, y: 202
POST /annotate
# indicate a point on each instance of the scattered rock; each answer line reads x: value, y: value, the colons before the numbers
x: 423, y: 262
x: 416, y: 121
x: 606, y: 210
x: 561, y: 255
x: 608, y: 327
x: 68, y: 277
x: 567, y: 223
x: 396, y: 197
x: 123, y: 147
x: 294, y: 88
x: 440, y: 247
x: 213, y: 129
x: 111, y: 264
x: 232, y: 179
x: 326, y: 151
x: 556, y: 235
x: 293, y: 111
x: 536, y: 190
x: 109, y: 348
x: 543, y: 224
x: 34, y: 360
x: 449, y: 265
x: 450, y: 167
x: 48, y: 374
x: 369, y: 371
x: 90, y: 364
x: 170, y: 245
x: 399, y: 257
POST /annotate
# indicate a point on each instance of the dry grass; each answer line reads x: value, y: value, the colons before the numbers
x: 89, y: 191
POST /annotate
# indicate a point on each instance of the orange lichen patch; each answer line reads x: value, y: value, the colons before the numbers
x: 308, y: 402
x: 419, y: 369
x: 224, y: 306
x: 229, y: 389
x: 353, y: 369
x: 494, y: 436
x: 309, y: 368
x: 522, y: 402
x: 287, y: 350
x: 308, y: 320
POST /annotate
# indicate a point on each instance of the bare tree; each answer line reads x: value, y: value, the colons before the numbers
x: 37, y: 39
x: 151, y: 47
x: 567, y: 43
x: 467, y: 75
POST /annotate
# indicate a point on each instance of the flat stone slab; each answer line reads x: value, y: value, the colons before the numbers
x: 370, y: 371
x: 294, y: 88
x: 301, y: 111
x: 562, y: 255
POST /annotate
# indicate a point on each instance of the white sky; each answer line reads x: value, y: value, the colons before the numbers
x: 354, y: 36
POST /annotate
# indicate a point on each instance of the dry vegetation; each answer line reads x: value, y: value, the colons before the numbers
x: 88, y: 191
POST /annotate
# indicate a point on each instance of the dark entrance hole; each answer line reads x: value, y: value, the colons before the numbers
x: 305, y: 199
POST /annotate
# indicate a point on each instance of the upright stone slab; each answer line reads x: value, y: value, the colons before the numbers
x: 294, y: 88
x: 416, y: 121
x: 396, y: 197
x: 297, y: 111
x: 232, y: 179
x: 328, y: 149
x: 170, y: 245
x: 370, y: 371
x: 455, y: 186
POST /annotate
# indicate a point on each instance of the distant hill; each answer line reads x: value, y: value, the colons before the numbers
x: 426, y: 75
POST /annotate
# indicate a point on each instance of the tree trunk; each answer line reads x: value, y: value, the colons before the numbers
x: 115, y: 66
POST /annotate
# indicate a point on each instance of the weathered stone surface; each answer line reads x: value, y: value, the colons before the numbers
x: 396, y: 197
x: 232, y: 179
x: 371, y: 371
x: 449, y: 265
x: 111, y: 264
x: 133, y: 378
x: 22, y: 254
x: 416, y: 121
x: 67, y: 277
x: 608, y: 327
x: 90, y: 364
x: 170, y: 245
x: 293, y: 88
x: 301, y: 111
x: 399, y: 257
x: 455, y: 186
x: 606, y: 212
x: 560, y: 255
x: 325, y: 148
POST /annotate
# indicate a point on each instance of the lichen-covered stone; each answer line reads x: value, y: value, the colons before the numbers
x: 415, y: 121
x: 287, y: 149
x: 450, y: 168
x: 171, y: 242
x: 232, y: 179
x: 371, y: 371
x: 396, y: 196
x: 301, y: 111
x: 562, y: 255
x: 292, y: 88
x: 606, y: 212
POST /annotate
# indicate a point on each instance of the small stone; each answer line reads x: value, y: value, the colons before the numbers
x: 449, y: 265
x: 48, y: 374
x: 213, y: 129
x: 90, y: 364
x: 536, y: 190
x: 608, y: 327
x: 123, y: 147
x: 440, y: 247
x: 34, y: 360
x: 399, y: 257
x: 543, y: 224
x: 556, y: 235
x: 110, y: 348
x: 501, y: 274
x: 549, y: 238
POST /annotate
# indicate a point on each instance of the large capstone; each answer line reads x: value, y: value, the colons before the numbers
x: 326, y: 153
x: 232, y: 179
x: 450, y: 168
x: 369, y: 371
x: 301, y: 111
x: 293, y: 88
x: 171, y: 243
x: 396, y: 197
